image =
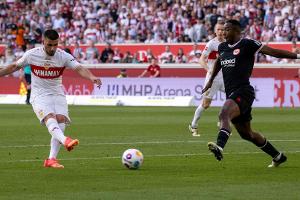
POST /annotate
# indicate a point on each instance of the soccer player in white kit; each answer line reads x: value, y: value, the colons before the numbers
x: 47, y: 96
x: 207, y: 59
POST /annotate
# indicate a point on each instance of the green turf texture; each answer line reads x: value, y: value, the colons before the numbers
x: 177, y: 165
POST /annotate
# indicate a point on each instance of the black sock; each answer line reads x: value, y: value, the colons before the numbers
x: 269, y: 149
x: 223, y: 137
x: 28, y: 95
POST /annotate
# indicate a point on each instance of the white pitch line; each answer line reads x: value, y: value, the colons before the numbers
x: 149, y: 156
x: 134, y: 143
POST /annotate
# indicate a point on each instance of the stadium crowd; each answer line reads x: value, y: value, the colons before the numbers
x: 22, y: 23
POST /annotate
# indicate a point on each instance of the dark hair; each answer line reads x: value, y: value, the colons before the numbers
x: 235, y: 23
x: 51, y: 34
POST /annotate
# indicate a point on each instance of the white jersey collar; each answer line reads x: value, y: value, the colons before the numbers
x: 233, y: 45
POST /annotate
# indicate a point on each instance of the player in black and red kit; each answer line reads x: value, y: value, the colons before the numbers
x: 236, y: 59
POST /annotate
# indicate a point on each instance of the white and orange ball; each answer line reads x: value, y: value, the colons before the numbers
x: 132, y: 158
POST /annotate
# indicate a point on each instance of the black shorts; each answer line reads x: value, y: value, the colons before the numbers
x: 244, y: 97
x: 28, y: 78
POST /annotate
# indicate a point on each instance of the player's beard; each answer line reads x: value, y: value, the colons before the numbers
x: 50, y: 53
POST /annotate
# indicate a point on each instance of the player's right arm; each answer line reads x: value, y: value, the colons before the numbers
x: 9, y: 69
x: 203, y: 61
x: 217, y: 67
x: 204, y: 56
x: 15, y: 66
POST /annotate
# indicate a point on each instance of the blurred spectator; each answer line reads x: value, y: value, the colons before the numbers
x: 244, y: 20
x: 18, y: 52
x: 117, y: 56
x: 93, y: 59
x: 170, y: 59
x: 295, y: 49
x: 267, y: 34
x: 58, y: 21
x: 91, y: 50
x: 65, y: 47
x: 20, y: 36
x: 110, y: 58
x: 180, y: 57
x: 77, y: 50
x: 105, y: 53
x: 200, y: 31
x: 165, y: 55
x: 127, y: 58
x: 153, y: 69
x: 192, y: 53
x: 196, y: 58
x: 91, y: 33
x: 135, y: 58
x: 123, y: 73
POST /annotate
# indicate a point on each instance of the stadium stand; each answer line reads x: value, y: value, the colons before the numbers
x: 141, y: 21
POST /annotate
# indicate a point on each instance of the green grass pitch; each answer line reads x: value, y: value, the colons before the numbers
x: 177, y: 165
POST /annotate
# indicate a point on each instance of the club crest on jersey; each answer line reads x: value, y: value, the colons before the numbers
x: 47, y: 66
x: 236, y: 52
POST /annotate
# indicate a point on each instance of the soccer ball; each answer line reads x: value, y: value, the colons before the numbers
x: 132, y: 159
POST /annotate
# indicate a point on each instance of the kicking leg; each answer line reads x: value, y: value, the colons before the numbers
x: 245, y: 131
x: 55, y: 144
x: 57, y: 139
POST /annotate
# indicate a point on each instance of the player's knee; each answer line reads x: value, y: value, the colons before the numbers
x: 61, y: 119
x: 246, y: 135
x: 223, y: 115
x: 50, y: 115
x: 205, y: 105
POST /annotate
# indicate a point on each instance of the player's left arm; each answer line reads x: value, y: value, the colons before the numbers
x: 87, y: 74
x: 70, y: 62
x: 279, y: 53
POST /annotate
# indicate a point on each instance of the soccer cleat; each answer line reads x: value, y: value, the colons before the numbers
x: 216, y: 150
x: 194, y: 131
x: 53, y: 163
x: 70, y: 143
x: 281, y: 160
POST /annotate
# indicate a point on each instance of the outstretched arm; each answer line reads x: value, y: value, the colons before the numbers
x: 217, y: 67
x: 9, y: 69
x: 278, y: 53
x: 85, y: 73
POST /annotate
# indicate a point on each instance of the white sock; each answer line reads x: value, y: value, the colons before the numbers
x: 197, y: 116
x: 55, y: 131
x: 62, y: 127
x: 55, y: 144
x: 54, y: 148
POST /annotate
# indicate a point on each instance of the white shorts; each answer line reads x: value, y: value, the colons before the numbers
x: 56, y: 104
x: 217, y: 85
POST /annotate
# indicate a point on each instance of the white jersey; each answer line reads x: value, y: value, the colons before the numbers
x: 211, y: 52
x: 46, y: 71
